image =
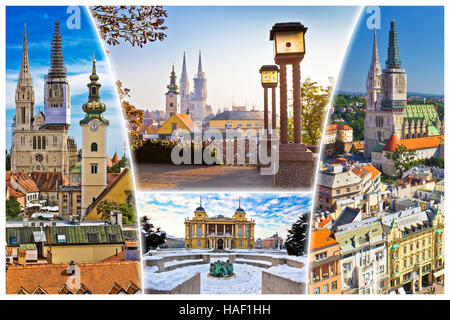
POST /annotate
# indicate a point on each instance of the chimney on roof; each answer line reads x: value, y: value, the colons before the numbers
x: 116, y: 218
x: 71, y: 268
x: 316, y: 223
x: 22, y: 257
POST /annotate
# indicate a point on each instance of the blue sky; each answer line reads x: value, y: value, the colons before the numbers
x: 235, y: 43
x: 78, y: 48
x: 421, y: 47
x: 272, y: 212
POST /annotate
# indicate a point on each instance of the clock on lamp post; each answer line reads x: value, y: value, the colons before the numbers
x: 269, y: 79
x: 289, y: 47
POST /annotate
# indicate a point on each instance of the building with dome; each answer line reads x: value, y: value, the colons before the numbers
x: 219, y: 232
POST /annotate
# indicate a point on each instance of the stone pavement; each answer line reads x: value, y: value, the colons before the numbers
x: 169, y: 177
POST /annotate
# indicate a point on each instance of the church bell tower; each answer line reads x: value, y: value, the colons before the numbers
x: 94, y: 133
x: 172, y: 95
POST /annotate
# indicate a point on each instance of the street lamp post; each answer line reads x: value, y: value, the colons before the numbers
x: 289, y: 45
x: 269, y: 79
x: 296, y: 163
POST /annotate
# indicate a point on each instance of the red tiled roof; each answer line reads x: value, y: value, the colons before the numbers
x: 412, y: 144
x: 321, y: 238
x: 25, y: 181
x: 339, y: 161
x: 96, y: 278
x: 15, y: 193
x: 374, y: 171
x: 186, y: 120
x: 360, y: 171
x: 324, y: 222
x: 117, y: 257
x: 331, y: 128
x: 109, y: 163
x: 49, y: 181
x: 115, y: 158
x: 358, y: 145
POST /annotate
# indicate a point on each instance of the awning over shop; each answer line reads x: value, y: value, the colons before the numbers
x: 438, y: 273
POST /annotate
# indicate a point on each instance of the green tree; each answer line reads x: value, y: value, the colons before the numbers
x: 122, y: 163
x: 8, y: 161
x: 297, y: 241
x: 134, y: 24
x: 151, y: 239
x: 404, y: 159
x: 12, y: 207
x: 314, y: 102
x: 128, y: 210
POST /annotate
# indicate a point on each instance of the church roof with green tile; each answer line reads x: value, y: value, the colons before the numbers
x: 426, y: 112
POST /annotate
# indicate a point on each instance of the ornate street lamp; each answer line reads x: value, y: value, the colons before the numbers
x: 289, y: 45
x: 269, y: 79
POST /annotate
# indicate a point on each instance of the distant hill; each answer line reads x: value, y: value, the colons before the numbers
x: 362, y: 94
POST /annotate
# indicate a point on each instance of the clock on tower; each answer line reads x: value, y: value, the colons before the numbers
x: 93, y: 159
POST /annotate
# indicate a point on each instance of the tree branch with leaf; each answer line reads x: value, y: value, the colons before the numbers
x: 136, y: 25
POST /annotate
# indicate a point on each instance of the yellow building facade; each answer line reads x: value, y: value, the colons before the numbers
x: 240, y: 119
x: 120, y: 190
x: 416, y: 254
x: 219, y: 232
x: 175, y: 122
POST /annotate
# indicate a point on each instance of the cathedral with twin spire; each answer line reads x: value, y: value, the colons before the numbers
x: 40, y: 140
x: 179, y: 98
x: 388, y: 116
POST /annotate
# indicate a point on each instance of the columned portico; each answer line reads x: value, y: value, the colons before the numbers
x: 219, y: 232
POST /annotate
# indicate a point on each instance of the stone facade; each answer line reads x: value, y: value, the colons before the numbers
x: 387, y: 110
x: 40, y: 141
x: 194, y: 103
x: 219, y: 232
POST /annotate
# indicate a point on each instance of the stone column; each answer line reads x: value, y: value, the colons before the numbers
x: 297, y: 103
x: 266, y: 110
x: 283, y: 105
x: 274, y: 109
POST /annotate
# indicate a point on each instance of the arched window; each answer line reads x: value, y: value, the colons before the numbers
x: 94, y: 147
x: 39, y: 142
x: 43, y: 142
x: 34, y: 142
x: 23, y: 115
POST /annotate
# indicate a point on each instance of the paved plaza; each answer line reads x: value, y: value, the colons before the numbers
x: 169, y: 177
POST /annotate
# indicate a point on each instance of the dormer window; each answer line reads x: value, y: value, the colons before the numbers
x: 93, y: 237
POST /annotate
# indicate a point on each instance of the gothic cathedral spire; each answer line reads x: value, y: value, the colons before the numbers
x: 393, y: 61
x: 373, y: 83
x: 57, y: 68
x: 200, y: 74
x: 25, y: 74
x: 57, y: 88
x: 184, y: 88
x: 24, y: 91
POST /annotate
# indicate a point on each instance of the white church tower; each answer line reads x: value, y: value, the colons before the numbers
x: 184, y: 88
x: 193, y: 103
